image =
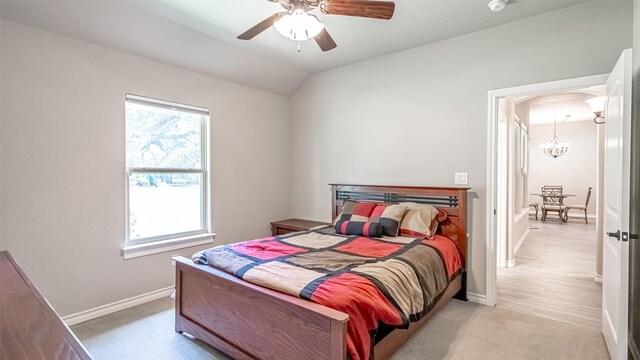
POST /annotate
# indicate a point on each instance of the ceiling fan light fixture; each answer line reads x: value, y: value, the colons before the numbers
x: 298, y: 26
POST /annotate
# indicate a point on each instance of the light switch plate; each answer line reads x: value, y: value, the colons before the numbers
x: 462, y: 178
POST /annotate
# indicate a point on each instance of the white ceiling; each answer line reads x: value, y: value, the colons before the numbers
x: 201, y: 35
x: 544, y: 109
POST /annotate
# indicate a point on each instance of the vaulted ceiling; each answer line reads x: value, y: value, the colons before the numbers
x: 201, y: 35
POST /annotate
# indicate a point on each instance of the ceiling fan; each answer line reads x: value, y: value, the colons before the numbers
x: 297, y: 24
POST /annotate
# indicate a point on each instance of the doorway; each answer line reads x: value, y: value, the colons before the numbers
x: 613, y: 193
x: 496, y: 201
x: 549, y: 262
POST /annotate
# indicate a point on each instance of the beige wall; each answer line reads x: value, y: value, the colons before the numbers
x: 63, y: 163
x: 417, y: 116
x: 576, y: 171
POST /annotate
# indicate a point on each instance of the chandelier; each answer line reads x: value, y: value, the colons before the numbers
x: 555, y: 148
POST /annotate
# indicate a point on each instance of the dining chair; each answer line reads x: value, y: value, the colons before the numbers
x: 552, y: 201
x: 579, y: 207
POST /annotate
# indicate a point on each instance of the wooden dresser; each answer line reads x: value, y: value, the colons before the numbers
x: 29, y: 328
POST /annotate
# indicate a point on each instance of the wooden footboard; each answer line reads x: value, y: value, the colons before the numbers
x: 246, y: 321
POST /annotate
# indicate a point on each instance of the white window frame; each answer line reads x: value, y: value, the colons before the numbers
x: 523, y: 162
x: 173, y: 241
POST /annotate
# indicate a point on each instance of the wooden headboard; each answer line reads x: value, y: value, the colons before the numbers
x: 452, y: 200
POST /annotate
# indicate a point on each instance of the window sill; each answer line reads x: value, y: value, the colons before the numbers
x: 134, y: 251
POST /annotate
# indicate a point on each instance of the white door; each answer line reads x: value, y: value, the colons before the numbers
x: 615, y: 280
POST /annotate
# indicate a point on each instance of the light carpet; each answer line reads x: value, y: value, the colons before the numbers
x: 459, y: 331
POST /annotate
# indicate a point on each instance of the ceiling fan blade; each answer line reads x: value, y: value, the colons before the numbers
x: 261, y: 26
x: 325, y: 41
x: 362, y: 8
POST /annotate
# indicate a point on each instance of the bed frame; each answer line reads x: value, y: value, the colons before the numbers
x: 247, y: 321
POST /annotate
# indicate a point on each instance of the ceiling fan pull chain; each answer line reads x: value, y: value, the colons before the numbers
x: 298, y: 47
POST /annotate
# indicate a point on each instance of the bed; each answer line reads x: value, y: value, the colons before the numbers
x: 248, y: 321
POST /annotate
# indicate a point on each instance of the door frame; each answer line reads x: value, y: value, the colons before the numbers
x: 492, y: 211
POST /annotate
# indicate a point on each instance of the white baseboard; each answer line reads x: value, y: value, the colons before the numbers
x: 597, y: 278
x: 511, y: 263
x: 477, y: 298
x: 520, y: 242
x: 107, y: 309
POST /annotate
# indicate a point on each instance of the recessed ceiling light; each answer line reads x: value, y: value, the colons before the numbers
x: 497, y: 5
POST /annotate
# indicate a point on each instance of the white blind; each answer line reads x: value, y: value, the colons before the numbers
x: 166, y: 104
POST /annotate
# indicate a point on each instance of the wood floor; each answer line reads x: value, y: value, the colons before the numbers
x: 553, y: 276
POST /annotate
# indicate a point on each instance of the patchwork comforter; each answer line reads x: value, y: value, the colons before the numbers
x: 390, y: 280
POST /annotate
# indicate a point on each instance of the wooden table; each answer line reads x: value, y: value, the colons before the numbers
x: 563, y: 195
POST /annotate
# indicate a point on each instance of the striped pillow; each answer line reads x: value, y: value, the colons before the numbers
x: 389, y: 216
x: 368, y: 229
x: 355, y: 211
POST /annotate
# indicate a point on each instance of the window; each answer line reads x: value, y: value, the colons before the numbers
x: 166, y: 170
x: 524, y: 165
x: 517, y: 170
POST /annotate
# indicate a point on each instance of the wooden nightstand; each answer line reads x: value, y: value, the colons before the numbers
x: 290, y: 225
